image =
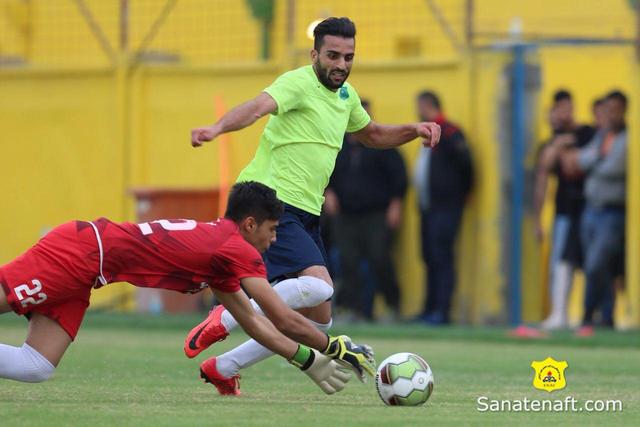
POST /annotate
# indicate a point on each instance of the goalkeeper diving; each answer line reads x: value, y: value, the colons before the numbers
x: 52, y: 282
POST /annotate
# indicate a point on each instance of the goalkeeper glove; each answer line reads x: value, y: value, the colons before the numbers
x: 322, y: 370
x: 354, y: 356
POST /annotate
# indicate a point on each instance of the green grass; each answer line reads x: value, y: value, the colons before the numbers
x: 130, y: 370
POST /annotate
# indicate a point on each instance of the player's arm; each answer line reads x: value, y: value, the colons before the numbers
x: 321, y: 369
x: 297, y: 327
x: 289, y: 322
x: 376, y: 135
x: 237, y: 303
x: 570, y: 163
x: 238, y: 118
x: 568, y: 156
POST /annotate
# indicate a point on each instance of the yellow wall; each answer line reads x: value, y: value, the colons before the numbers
x: 632, y: 279
x: 485, y: 281
x: 168, y: 104
x: 60, y: 156
x: 555, y: 18
x: 78, y: 128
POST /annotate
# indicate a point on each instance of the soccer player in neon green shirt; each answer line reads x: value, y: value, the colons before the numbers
x: 311, y: 108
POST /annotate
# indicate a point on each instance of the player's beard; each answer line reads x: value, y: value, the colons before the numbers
x: 324, y: 75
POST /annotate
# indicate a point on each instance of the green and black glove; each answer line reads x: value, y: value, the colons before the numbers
x: 358, y: 357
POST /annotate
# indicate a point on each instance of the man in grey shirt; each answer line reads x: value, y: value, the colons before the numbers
x: 604, y: 162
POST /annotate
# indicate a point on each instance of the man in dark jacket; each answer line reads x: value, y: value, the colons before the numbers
x: 443, y: 179
x: 365, y: 197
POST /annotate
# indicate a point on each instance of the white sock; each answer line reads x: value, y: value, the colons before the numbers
x: 324, y: 327
x: 246, y: 354
x: 249, y: 353
x: 24, y: 364
x: 301, y: 292
x: 560, y: 287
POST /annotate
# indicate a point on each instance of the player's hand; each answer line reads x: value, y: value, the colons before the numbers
x: 201, y: 135
x: 357, y: 357
x: 326, y: 373
x: 430, y: 132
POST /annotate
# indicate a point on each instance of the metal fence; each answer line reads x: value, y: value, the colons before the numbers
x: 211, y: 32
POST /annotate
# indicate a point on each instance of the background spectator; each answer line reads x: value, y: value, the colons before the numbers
x: 604, y: 161
x: 443, y: 179
x: 599, y: 111
x: 365, y: 198
x: 566, y: 251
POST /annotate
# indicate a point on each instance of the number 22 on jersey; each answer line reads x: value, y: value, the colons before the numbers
x: 25, y: 293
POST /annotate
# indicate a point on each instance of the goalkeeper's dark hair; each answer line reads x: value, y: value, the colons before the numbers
x: 254, y: 199
x: 341, y: 27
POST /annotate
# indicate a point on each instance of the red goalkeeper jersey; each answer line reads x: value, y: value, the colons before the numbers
x: 181, y: 255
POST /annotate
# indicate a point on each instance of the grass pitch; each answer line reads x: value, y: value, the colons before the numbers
x: 130, y: 370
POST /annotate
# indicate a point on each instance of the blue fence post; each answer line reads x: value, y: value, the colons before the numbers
x: 518, y: 136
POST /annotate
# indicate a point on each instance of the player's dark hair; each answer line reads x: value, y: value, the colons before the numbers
x: 561, y: 95
x: 342, y: 27
x: 430, y: 97
x: 597, y: 102
x: 618, y: 96
x: 254, y: 199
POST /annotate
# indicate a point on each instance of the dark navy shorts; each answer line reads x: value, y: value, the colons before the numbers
x: 298, y: 244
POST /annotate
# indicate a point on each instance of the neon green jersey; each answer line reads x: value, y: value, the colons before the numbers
x: 300, y: 143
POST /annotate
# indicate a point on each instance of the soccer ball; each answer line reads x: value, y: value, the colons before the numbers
x: 404, y: 379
